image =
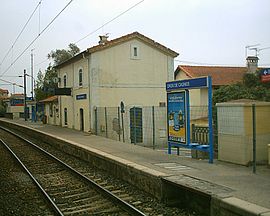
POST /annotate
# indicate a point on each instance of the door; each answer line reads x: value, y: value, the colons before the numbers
x: 136, y: 131
x: 81, y: 120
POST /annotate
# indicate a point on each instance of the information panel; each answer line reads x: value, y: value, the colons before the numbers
x: 176, y: 115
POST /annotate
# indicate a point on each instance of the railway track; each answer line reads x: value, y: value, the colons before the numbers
x: 68, y: 191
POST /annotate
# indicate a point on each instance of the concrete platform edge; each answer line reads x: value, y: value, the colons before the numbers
x: 151, y: 180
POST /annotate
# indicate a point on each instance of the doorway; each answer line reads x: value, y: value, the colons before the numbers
x: 81, y: 120
x: 136, y: 127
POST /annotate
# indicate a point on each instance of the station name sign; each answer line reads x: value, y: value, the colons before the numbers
x: 201, y: 82
x: 81, y: 97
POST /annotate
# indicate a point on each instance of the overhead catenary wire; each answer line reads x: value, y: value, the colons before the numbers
x: 108, y: 22
x: 111, y: 20
x: 205, y: 64
x: 36, y: 37
x: 17, y: 38
x: 12, y: 83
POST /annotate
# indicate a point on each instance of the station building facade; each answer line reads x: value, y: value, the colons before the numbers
x: 132, y: 69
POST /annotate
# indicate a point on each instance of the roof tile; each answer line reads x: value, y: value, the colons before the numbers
x: 220, y: 75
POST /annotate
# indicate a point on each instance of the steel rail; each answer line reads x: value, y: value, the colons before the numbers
x: 121, y: 203
x: 55, y: 208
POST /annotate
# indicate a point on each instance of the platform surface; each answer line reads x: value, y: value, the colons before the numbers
x: 236, y: 180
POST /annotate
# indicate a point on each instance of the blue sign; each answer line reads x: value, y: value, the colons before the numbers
x: 187, y: 84
x: 265, y: 71
x: 81, y: 97
x: 176, y: 117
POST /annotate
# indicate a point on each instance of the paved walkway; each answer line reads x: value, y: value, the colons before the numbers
x: 237, y: 180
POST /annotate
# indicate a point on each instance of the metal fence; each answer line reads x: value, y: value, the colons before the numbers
x: 243, y: 132
x: 144, y: 126
x: 234, y: 129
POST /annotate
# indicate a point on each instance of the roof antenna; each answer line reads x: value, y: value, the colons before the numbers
x: 250, y: 47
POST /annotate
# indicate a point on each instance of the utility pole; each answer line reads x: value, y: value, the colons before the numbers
x: 24, y: 88
x: 32, y: 74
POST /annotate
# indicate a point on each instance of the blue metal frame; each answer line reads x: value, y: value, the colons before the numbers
x: 197, y: 83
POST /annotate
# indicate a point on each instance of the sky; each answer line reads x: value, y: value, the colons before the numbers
x: 203, y: 32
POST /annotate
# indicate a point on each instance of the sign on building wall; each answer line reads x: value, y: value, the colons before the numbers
x: 265, y: 75
x: 176, y: 117
x: 81, y: 97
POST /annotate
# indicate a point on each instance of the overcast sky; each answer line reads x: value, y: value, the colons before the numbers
x: 213, y: 32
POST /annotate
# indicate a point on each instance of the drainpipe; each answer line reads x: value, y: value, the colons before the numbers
x: 89, y: 86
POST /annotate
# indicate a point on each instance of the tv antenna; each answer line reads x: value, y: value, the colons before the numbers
x: 258, y: 50
x: 251, y: 47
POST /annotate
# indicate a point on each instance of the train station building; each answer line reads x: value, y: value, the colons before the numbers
x: 132, y: 69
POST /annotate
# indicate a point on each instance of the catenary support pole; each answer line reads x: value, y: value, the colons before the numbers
x: 24, y: 88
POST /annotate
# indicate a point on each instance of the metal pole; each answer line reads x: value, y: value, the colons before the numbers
x: 106, y: 123
x: 32, y: 75
x: 96, y: 123
x: 119, y: 126
x: 134, y: 125
x: 254, y: 136
x: 210, y: 119
x: 24, y: 88
x: 122, y: 117
x: 154, y: 129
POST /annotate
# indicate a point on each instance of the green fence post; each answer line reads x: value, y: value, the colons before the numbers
x: 96, y: 123
x: 119, y: 126
x: 154, y: 129
x: 106, y: 123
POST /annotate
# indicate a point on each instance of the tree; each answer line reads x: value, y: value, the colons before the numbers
x: 251, y: 88
x: 47, y: 82
x: 61, y: 55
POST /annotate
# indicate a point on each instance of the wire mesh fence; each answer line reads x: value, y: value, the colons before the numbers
x: 144, y: 126
x: 233, y: 129
x: 243, y: 132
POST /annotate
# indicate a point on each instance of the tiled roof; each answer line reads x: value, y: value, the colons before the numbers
x: 4, y: 90
x: 220, y: 75
x: 49, y: 99
x: 114, y: 42
x: 131, y: 36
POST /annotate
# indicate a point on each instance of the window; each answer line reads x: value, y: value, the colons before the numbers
x: 134, y: 51
x: 80, y: 77
x: 65, y: 81
x: 65, y: 116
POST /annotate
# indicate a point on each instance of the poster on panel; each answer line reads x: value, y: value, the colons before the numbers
x: 176, y: 117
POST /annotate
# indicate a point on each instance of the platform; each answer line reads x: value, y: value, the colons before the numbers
x: 229, y: 189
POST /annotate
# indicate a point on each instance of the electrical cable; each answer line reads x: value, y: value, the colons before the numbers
x: 109, y: 21
x: 11, y: 48
x: 37, y: 37
x: 10, y: 82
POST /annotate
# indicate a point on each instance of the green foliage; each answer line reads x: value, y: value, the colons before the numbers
x: 46, y: 83
x: 61, y: 55
x: 251, y: 88
x: 2, y: 108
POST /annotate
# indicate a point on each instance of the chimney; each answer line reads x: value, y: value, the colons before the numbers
x: 252, y: 64
x: 103, y: 39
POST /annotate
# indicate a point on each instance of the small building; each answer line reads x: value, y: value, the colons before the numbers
x: 51, y: 110
x: 3, y: 93
x: 221, y: 76
x: 132, y: 69
x: 235, y: 131
x: 15, y: 105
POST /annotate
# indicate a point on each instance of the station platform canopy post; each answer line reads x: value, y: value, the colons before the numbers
x: 178, y: 114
